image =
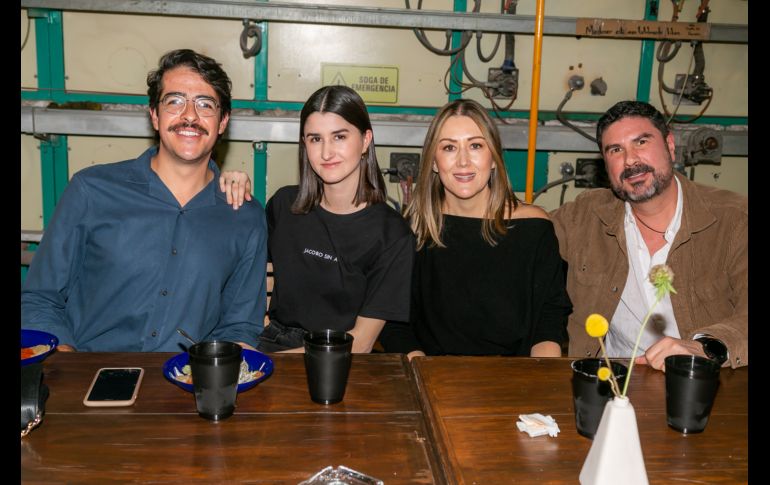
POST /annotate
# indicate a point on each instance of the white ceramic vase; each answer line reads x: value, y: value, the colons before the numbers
x: 616, y: 454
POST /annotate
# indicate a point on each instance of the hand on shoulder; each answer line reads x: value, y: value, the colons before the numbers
x: 237, y: 187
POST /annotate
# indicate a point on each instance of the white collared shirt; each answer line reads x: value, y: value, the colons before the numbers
x: 639, y: 294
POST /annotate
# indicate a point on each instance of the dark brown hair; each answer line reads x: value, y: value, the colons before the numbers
x: 626, y: 109
x: 342, y: 101
x: 206, y: 67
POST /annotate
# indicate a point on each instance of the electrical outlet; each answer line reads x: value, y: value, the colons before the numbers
x: 406, y: 164
x: 593, y: 173
x: 503, y: 85
x: 695, y: 92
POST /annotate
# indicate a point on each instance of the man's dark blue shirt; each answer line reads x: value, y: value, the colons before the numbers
x: 122, y: 265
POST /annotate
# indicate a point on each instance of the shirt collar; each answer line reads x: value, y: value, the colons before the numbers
x: 697, y: 215
x: 156, y: 188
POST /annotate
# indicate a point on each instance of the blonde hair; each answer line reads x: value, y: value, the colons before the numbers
x: 424, y: 211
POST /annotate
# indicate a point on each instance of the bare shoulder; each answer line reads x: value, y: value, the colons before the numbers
x: 529, y: 211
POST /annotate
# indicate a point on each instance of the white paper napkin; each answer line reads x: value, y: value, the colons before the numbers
x: 537, y: 425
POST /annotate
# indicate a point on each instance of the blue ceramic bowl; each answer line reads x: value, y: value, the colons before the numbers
x: 254, y: 359
x: 30, y: 338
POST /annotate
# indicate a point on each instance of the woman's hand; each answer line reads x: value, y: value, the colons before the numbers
x: 236, y: 185
x: 365, y: 333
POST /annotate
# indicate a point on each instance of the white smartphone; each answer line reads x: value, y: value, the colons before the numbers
x: 113, y: 386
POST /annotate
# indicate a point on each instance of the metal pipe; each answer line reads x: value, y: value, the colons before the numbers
x: 647, y: 56
x: 349, y: 15
x: 534, y: 100
x: 285, y: 129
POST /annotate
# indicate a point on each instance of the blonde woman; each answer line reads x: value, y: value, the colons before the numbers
x: 488, y: 278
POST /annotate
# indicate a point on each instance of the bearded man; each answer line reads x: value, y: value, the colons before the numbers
x: 654, y: 215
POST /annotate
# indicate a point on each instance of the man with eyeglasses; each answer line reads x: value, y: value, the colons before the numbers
x: 139, y: 248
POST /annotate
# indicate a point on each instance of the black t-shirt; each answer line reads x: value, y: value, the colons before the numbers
x: 471, y: 298
x: 331, y: 268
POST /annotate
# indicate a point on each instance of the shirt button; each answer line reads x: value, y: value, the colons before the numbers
x: 173, y: 251
x: 614, y: 289
x: 163, y: 292
x: 155, y: 333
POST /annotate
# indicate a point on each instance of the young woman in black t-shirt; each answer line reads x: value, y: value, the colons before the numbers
x: 342, y: 258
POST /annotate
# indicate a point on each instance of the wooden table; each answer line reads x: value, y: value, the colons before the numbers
x: 473, y: 404
x: 277, y: 434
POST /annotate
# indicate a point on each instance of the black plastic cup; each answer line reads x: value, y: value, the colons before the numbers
x: 215, y: 366
x: 327, y: 364
x: 590, y: 395
x: 691, y: 385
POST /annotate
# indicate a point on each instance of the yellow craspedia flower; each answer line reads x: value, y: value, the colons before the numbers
x: 604, y: 373
x: 597, y: 325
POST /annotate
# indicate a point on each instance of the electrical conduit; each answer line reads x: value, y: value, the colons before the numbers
x: 534, y: 100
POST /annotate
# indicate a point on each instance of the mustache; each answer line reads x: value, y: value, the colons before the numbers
x: 635, y: 170
x: 194, y: 126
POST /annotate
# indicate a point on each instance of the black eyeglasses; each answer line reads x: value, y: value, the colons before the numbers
x: 175, y: 104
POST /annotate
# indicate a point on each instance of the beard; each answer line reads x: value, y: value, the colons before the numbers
x: 639, y: 193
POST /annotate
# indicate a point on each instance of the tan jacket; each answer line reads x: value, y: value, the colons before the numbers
x: 709, y: 258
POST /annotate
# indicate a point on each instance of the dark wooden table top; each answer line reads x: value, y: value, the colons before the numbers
x: 473, y: 404
x: 277, y: 434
